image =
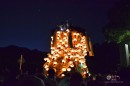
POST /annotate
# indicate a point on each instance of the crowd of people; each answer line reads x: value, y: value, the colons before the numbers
x: 40, y: 79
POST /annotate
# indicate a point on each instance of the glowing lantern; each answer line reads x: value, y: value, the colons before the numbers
x: 63, y: 69
x: 54, y: 63
x: 68, y: 69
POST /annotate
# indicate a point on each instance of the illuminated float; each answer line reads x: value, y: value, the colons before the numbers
x: 68, y: 50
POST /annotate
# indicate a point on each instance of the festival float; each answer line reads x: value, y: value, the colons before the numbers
x: 69, y: 47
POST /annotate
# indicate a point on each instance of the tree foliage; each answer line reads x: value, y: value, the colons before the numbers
x: 117, y: 36
x: 118, y: 28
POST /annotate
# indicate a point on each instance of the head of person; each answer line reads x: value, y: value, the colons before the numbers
x: 76, y: 79
x: 51, y: 72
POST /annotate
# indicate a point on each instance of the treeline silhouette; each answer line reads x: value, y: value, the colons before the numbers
x: 10, y: 56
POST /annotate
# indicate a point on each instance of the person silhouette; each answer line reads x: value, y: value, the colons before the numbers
x: 51, y: 79
x: 76, y: 79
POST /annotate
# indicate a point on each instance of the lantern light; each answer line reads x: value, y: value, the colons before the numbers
x: 68, y: 69
x: 45, y: 59
x: 66, y: 56
x: 63, y: 61
x: 66, y: 45
x: 47, y: 69
x: 84, y: 72
x: 71, y: 62
x: 48, y: 60
x: 60, y: 40
x: 71, y: 65
x: 67, y: 30
x: 58, y: 32
x: 52, y: 37
x: 62, y: 75
x: 46, y: 66
x: 75, y: 60
x: 54, y: 63
x: 63, y: 69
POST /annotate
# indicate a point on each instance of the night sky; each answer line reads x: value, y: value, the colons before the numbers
x: 29, y: 23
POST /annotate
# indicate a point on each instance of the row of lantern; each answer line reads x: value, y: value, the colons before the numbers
x: 82, y: 61
x: 79, y: 52
x: 59, y: 45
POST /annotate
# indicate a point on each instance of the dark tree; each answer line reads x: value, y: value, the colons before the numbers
x: 118, y: 28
